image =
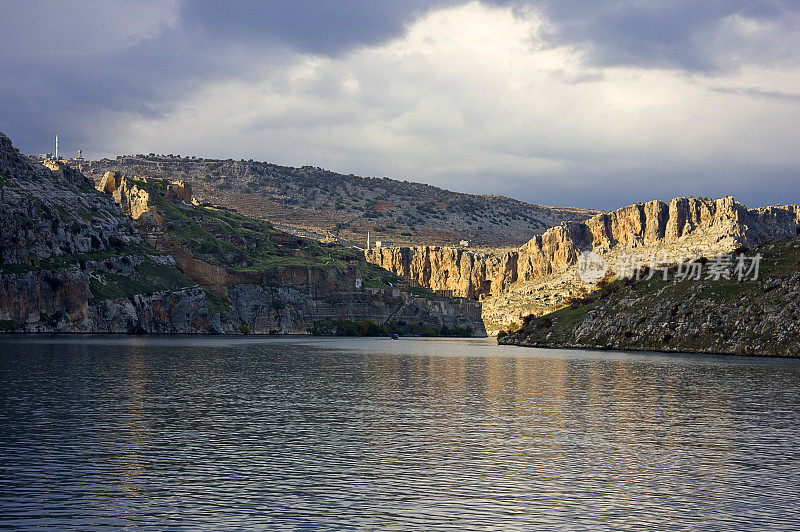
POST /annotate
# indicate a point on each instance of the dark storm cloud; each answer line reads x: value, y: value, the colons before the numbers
x: 76, y: 68
x: 651, y: 33
x: 314, y: 26
x: 59, y: 76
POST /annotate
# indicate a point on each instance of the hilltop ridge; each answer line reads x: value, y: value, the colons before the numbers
x: 319, y: 203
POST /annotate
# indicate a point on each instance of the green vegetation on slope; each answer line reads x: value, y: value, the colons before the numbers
x: 225, y: 237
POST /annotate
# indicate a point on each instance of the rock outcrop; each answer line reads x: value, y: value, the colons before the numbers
x: 180, y: 191
x: 685, y: 225
x: 133, y: 200
x: 71, y: 261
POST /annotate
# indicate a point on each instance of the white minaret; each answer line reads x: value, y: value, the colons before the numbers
x: 367, y: 240
x: 56, y: 147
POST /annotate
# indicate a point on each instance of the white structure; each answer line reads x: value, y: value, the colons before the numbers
x: 56, y: 147
x: 367, y: 240
x: 378, y: 244
x: 464, y: 243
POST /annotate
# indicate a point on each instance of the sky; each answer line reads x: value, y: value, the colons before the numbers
x: 593, y: 104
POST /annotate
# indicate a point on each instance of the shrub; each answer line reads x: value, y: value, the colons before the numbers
x: 244, y: 328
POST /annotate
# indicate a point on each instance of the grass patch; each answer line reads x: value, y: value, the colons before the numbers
x: 217, y: 305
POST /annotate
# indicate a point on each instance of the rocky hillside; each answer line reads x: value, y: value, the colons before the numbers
x: 540, y: 275
x: 272, y: 281
x: 71, y: 261
x: 140, y: 256
x: 753, y: 316
x: 323, y: 204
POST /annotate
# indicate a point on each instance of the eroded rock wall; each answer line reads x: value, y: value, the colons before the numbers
x: 683, y: 225
x: 287, y: 310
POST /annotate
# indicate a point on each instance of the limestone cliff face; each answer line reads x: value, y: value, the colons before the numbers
x: 71, y: 261
x: 61, y: 300
x: 288, y: 310
x: 133, y: 201
x: 180, y: 191
x: 466, y: 273
x: 685, y: 224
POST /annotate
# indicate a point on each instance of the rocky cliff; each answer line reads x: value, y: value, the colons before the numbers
x: 543, y: 269
x: 71, y: 261
x: 139, y: 257
x: 690, y: 225
x: 756, y: 315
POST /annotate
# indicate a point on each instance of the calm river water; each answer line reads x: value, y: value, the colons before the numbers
x: 220, y: 433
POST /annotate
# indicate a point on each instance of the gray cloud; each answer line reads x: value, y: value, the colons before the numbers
x: 305, y: 25
x: 88, y: 71
x: 671, y: 34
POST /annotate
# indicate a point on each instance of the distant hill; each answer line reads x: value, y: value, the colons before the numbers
x: 319, y: 203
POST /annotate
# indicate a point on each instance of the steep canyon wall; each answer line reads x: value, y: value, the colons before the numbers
x: 684, y: 225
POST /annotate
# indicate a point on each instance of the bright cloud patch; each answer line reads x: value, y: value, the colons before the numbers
x: 473, y: 98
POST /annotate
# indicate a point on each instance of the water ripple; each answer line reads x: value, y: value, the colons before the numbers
x: 222, y: 434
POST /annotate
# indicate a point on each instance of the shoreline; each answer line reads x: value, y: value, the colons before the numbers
x: 640, y: 350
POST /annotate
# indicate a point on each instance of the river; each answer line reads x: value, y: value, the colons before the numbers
x: 418, y: 434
